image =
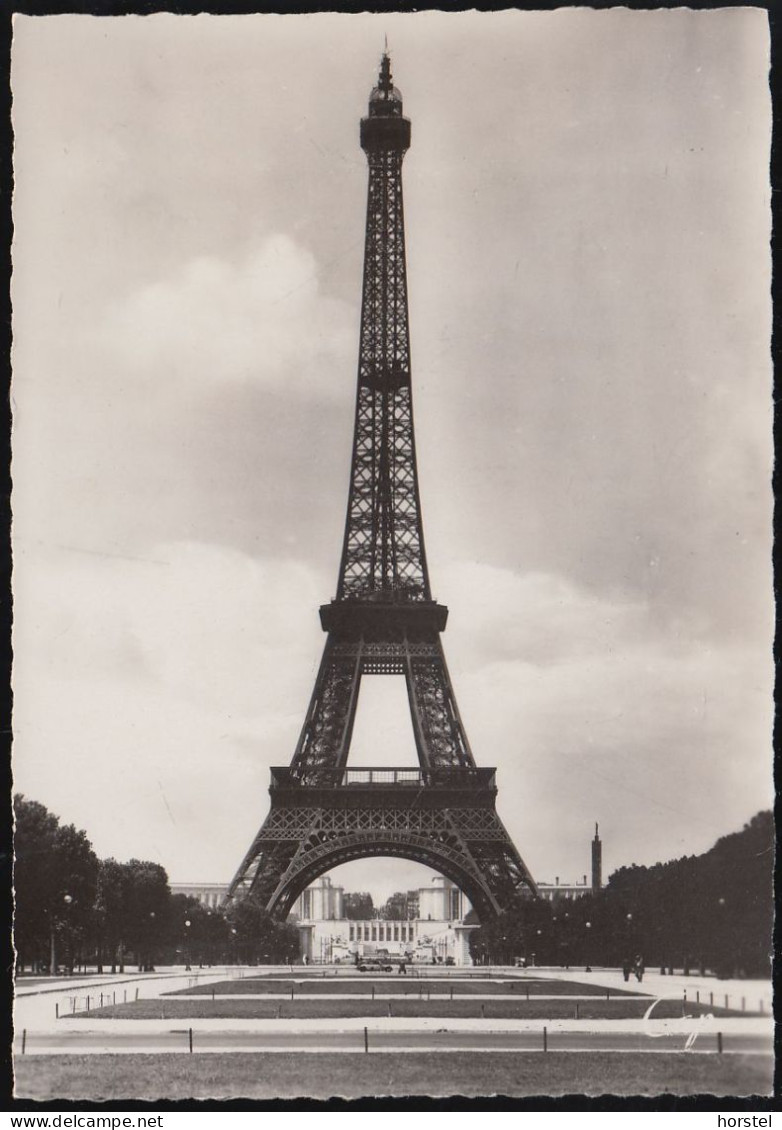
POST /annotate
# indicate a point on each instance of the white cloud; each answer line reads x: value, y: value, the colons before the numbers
x: 261, y: 320
x: 599, y: 709
x: 149, y: 692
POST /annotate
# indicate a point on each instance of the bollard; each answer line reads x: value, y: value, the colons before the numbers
x: 743, y: 1004
x: 373, y: 992
x: 483, y: 1010
x: 366, y: 1039
x: 136, y: 993
x: 697, y: 996
x: 88, y: 1004
x: 24, y: 1040
x: 124, y: 996
x: 608, y: 994
x: 527, y: 988
x: 577, y: 1011
x: 727, y: 998
x: 292, y: 988
x: 101, y: 1000
x: 213, y: 994
x: 190, y: 1038
x: 719, y: 1043
x: 684, y: 1003
x: 113, y: 998
x: 545, y: 1038
x: 73, y: 999
x: 711, y: 1000
x: 451, y: 992
x: 56, y: 1012
x: 389, y: 1008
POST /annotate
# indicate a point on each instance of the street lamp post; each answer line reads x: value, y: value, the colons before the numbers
x: 722, y: 963
x: 588, y: 968
x: 187, y: 945
x: 147, y: 962
x: 56, y: 924
x: 627, y: 947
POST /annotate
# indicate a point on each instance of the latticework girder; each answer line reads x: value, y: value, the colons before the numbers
x: 312, y: 829
x: 384, y: 545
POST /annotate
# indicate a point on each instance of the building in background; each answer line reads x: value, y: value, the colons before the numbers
x: 437, y: 933
x: 210, y: 895
x: 320, y: 901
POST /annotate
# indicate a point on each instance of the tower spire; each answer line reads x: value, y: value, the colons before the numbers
x: 384, y: 79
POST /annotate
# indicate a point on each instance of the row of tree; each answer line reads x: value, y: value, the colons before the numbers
x: 709, y: 912
x: 359, y: 906
x: 73, y: 909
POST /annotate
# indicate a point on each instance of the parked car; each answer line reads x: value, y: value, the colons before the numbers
x: 375, y: 965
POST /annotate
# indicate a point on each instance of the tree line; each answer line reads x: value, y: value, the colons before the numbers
x: 73, y: 910
x: 360, y: 906
x: 704, y: 913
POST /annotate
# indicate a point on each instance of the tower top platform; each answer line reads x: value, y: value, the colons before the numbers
x: 384, y: 128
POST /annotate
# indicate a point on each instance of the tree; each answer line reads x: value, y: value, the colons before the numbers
x: 34, y: 880
x: 76, y: 867
x: 207, y: 938
x: 259, y: 937
x: 111, y: 913
x: 147, y: 899
x: 711, y: 912
x: 396, y: 909
x: 55, y: 883
x: 358, y: 905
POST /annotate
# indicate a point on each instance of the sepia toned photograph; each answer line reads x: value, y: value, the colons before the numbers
x: 392, y: 531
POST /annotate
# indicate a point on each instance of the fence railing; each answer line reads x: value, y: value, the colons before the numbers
x: 467, y: 777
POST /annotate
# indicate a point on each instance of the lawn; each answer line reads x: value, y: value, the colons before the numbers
x: 167, y: 1008
x: 348, y: 1075
x: 409, y: 986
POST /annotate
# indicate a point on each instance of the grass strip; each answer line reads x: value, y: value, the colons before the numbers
x: 167, y: 1008
x: 438, y: 1074
x: 410, y: 987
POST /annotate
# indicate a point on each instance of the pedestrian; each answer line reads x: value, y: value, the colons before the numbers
x: 638, y: 967
x: 627, y: 966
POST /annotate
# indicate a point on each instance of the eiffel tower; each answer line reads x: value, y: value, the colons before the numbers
x: 383, y: 622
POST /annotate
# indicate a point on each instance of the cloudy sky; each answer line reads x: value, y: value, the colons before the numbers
x: 587, y: 212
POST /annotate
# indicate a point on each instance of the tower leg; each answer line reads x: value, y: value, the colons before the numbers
x: 325, y: 737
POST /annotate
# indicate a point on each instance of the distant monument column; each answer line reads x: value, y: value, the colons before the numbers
x: 597, y: 863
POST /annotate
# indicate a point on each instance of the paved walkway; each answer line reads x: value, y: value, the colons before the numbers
x: 758, y: 995
x: 422, y: 1037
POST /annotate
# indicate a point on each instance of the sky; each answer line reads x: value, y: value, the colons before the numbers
x: 587, y: 218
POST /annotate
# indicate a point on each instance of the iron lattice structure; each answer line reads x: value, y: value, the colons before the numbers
x: 383, y: 621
